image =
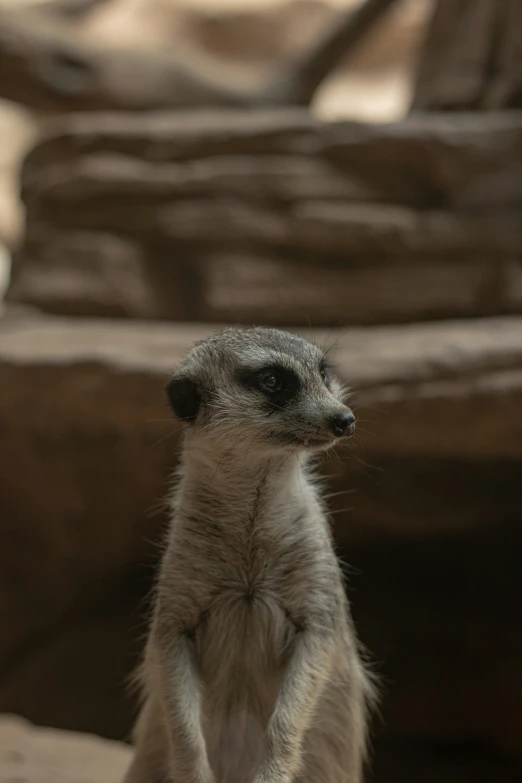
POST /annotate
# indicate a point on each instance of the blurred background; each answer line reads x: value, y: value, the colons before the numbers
x: 348, y: 168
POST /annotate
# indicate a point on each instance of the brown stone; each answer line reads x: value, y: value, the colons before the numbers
x: 345, y: 222
x: 458, y: 160
x: 282, y: 178
x: 471, y: 58
x: 38, y: 755
x: 258, y: 34
x: 86, y: 273
x: 319, y: 226
x: 269, y: 288
x: 53, y: 67
x: 96, y: 273
x: 429, y: 160
x: 184, y: 135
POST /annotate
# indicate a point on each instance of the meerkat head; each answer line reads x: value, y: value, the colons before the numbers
x: 263, y: 388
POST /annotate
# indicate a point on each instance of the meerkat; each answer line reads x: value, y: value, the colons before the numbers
x: 252, y: 671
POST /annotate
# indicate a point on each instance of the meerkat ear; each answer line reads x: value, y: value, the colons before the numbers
x: 184, y: 398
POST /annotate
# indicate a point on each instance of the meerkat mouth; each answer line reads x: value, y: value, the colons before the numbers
x: 306, y: 441
x: 320, y: 444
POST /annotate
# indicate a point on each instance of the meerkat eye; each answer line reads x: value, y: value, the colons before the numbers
x: 271, y: 381
x: 278, y: 384
x: 324, y: 372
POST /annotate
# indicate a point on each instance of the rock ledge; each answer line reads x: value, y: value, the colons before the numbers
x: 30, y: 754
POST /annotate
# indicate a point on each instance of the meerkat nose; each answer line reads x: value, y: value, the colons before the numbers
x: 343, y: 424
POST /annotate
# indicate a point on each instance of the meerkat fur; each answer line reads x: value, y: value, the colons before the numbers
x: 252, y: 671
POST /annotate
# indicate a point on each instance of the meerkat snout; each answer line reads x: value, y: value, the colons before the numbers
x: 343, y: 423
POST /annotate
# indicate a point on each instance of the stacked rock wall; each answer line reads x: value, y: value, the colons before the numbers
x: 274, y: 218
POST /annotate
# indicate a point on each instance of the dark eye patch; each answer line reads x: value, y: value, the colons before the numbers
x: 276, y: 383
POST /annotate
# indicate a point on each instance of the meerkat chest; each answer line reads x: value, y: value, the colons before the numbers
x: 264, y: 583
x: 271, y: 562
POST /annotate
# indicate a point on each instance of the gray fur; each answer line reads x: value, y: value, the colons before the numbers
x: 251, y: 672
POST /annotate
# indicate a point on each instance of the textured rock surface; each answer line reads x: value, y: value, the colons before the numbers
x: 275, y: 217
x: 86, y: 272
x: 54, y: 66
x: 472, y: 57
x: 36, y: 755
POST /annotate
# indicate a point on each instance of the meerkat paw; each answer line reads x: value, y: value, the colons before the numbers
x: 201, y: 777
x: 271, y: 777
